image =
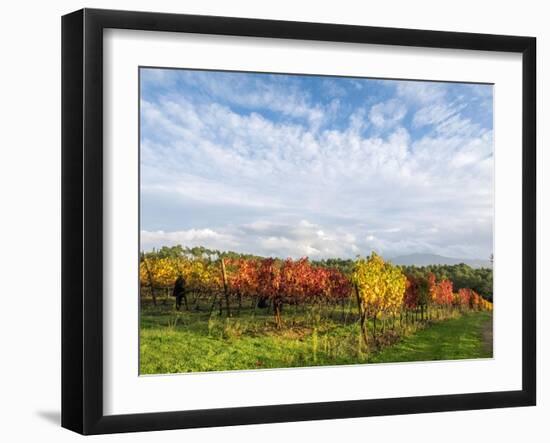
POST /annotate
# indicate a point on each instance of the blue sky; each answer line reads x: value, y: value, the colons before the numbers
x: 289, y: 165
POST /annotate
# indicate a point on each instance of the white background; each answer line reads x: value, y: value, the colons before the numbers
x: 30, y: 222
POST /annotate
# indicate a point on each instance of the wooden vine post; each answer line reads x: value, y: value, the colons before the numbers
x: 362, y: 315
x: 225, y: 288
x: 150, y: 278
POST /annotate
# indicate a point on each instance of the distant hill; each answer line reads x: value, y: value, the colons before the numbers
x: 434, y: 259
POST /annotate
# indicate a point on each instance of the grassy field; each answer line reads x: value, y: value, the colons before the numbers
x: 173, y: 342
x: 469, y: 336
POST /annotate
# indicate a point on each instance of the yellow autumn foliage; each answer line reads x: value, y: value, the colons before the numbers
x: 200, y: 275
x: 380, y: 285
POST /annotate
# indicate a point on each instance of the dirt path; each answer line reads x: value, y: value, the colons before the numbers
x: 487, y: 336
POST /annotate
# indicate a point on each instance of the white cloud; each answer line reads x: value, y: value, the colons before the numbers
x: 435, y: 113
x: 307, y: 239
x: 387, y: 114
x: 293, y: 188
x: 268, y: 93
x: 421, y: 92
x: 301, y: 239
x: 192, y: 237
x: 457, y: 125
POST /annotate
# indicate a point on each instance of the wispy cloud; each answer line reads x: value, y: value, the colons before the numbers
x: 421, y: 92
x: 286, y: 165
x: 387, y: 114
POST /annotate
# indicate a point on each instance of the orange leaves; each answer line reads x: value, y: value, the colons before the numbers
x: 292, y: 281
x: 443, y: 293
x: 471, y: 299
x: 382, y: 287
x: 243, y: 276
x: 421, y: 291
x: 298, y: 281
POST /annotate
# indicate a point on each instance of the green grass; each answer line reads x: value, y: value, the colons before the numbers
x: 453, y: 339
x: 173, y: 342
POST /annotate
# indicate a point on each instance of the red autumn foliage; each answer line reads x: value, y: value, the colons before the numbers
x: 444, y: 293
x: 287, y: 282
x: 412, y: 292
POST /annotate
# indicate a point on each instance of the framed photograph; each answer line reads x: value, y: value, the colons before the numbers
x: 269, y: 221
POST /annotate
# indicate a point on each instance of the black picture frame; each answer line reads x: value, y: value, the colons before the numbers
x: 82, y: 219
